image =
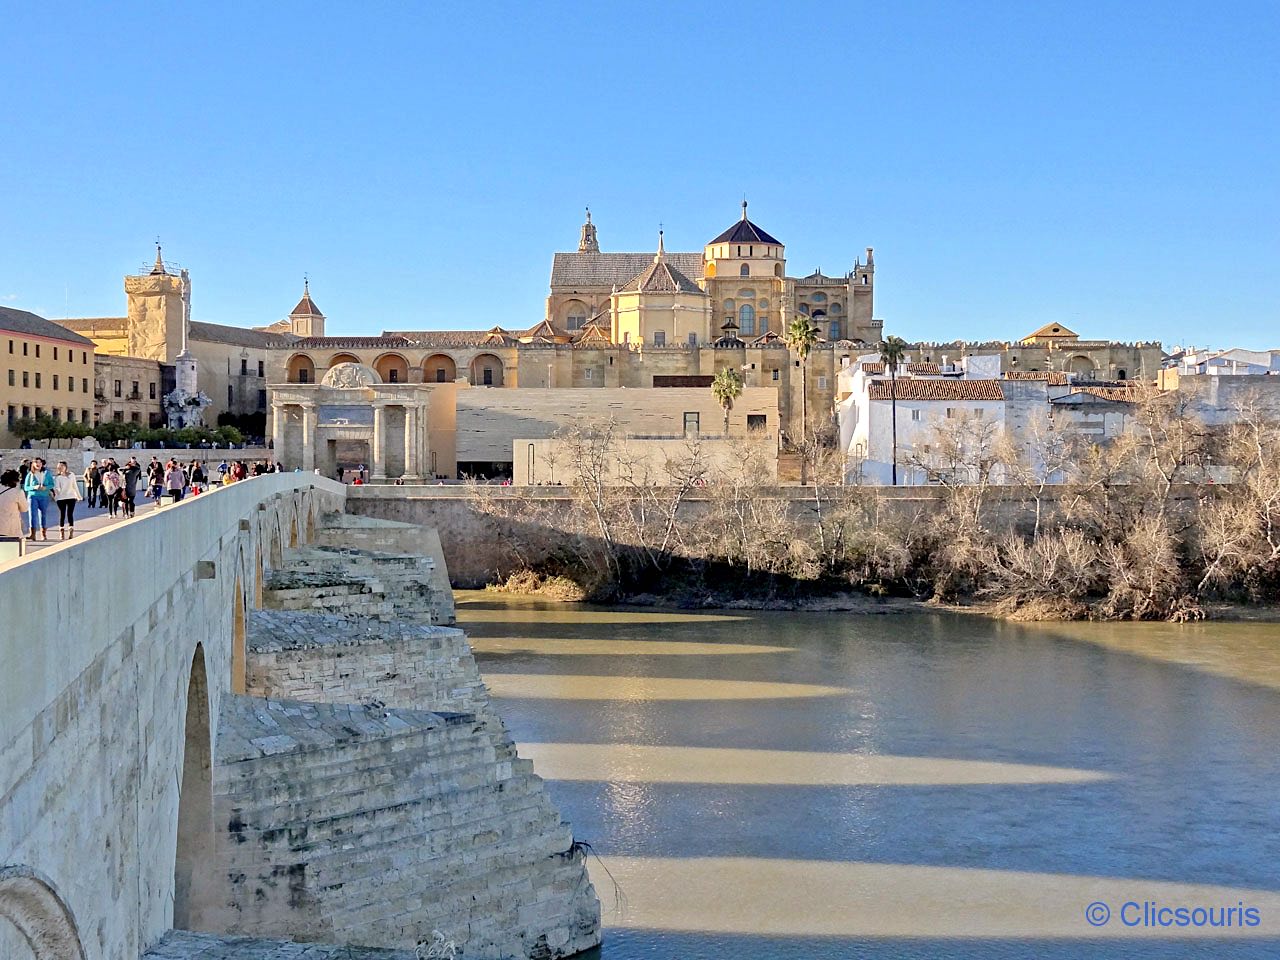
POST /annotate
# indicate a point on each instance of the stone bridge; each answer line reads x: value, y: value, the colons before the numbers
x: 119, y: 653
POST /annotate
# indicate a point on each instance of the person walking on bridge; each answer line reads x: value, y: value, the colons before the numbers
x: 132, y: 473
x: 39, y: 490
x: 175, y: 480
x: 13, y: 507
x: 66, y: 492
x: 92, y: 483
x: 112, y: 488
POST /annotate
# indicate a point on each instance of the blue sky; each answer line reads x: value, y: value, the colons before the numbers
x: 1110, y: 166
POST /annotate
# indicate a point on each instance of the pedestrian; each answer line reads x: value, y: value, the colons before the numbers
x: 175, y: 480
x: 92, y: 483
x: 38, y: 487
x: 223, y: 469
x: 13, y: 508
x: 66, y: 492
x: 132, y: 473
x: 23, y: 467
x: 112, y: 488
x: 198, y: 479
x: 155, y: 478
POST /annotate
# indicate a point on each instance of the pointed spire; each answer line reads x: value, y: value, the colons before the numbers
x: 158, y: 269
x: 662, y: 251
x: 306, y: 306
x: 744, y: 208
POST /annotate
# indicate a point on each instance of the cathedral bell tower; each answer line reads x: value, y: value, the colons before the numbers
x: 156, y: 301
x: 306, y: 320
x: 588, y: 242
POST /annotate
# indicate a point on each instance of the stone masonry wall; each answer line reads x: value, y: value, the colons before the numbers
x: 322, y: 657
x: 366, y: 792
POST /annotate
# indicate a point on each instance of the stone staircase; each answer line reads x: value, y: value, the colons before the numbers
x: 366, y: 792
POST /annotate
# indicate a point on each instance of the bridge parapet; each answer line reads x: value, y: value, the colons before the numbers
x: 101, y: 642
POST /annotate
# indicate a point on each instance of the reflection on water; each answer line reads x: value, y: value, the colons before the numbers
x: 955, y: 793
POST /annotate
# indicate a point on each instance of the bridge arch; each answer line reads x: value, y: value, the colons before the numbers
x: 29, y: 902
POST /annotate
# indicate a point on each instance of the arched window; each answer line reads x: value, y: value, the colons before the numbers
x: 575, y: 315
x: 1120, y: 374
x: 777, y: 269
x: 747, y: 318
x: 745, y: 271
x: 835, y: 331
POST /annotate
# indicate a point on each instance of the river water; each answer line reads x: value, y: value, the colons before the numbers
x: 782, y: 785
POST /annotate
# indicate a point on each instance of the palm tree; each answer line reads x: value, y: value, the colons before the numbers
x: 801, y: 336
x: 726, y: 388
x: 892, y: 350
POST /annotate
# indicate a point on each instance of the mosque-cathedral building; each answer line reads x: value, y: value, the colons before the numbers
x: 613, y: 321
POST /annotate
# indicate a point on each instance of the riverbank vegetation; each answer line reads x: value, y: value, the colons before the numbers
x: 1164, y: 522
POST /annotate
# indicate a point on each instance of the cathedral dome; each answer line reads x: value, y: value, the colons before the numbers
x: 351, y: 375
x: 744, y: 231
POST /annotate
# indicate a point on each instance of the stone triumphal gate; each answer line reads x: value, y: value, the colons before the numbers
x: 189, y: 741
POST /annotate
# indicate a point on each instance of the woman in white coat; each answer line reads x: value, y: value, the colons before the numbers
x: 66, y: 492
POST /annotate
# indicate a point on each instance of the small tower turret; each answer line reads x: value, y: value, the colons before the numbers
x: 306, y: 320
x: 588, y: 243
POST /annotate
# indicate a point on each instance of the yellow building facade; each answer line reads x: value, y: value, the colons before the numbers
x: 48, y: 371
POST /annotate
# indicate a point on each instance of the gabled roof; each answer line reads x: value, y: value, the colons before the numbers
x: 935, y: 390
x: 497, y: 335
x: 818, y: 278
x: 769, y: 336
x: 31, y: 325
x: 662, y: 277
x: 1052, y: 331
x: 236, y: 336
x: 545, y: 332
x: 744, y: 231
x: 592, y: 332
x: 606, y: 270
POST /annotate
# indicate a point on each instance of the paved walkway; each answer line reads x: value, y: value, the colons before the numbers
x: 87, y: 521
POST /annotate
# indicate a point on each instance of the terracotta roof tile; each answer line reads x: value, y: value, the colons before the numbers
x: 662, y: 277
x: 936, y: 390
x: 921, y: 368
x: 1055, y: 378
x: 614, y: 269
x: 237, y: 336
x: 30, y: 324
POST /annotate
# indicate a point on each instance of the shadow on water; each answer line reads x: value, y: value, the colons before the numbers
x: 1189, y: 755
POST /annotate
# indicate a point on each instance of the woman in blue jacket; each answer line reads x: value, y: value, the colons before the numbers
x: 38, y: 487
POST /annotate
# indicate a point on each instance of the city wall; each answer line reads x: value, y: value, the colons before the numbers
x: 480, y: 546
